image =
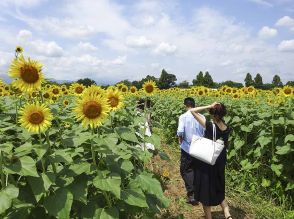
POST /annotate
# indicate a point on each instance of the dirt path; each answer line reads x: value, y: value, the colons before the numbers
x: 175, y: 191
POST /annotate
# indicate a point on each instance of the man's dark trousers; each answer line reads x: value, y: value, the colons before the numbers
x: 187, y: 171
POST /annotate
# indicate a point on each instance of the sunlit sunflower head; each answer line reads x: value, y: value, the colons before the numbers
x: 77, y: 89
x: 35, y: 118
x: 115, y: 99
x: 119, y: 85
x: 48, y: 86
x: 93, y: 90
x: 133, y: 89
x: 65, y: 102
x: 124, y: 88
x: 287, y: 91
x: 46, y: 95
x: 250, y: 89
x: 55, y: 91
x: 149, y: 87
x: 28, y: 74
x: 200, y: 92
x: 18, y: 49
x: 91, y: 110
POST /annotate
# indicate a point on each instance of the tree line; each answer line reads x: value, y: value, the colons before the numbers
x: 167, y: 80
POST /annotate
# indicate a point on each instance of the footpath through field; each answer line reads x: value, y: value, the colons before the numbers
x: 175, y: 191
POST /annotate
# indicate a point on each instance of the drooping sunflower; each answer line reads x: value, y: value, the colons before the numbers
x: 77, y: 89
x: 91, y: 110
x: 115, y: 99
x: 149, y: 87
x: 28, y: 74
x: 35, y: 118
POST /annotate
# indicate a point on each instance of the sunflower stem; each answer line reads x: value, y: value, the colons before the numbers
x: 16, y: 111
x: 1, y: 171
x: 92, y: 148
x: 42, y: 159
x: 50, y: 149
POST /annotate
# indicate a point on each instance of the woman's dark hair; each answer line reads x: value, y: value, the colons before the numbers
x: 189, y: 102
x: 218, y: 110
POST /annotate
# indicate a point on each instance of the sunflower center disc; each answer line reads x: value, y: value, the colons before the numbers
x: 123, y: 89
x: 55, y: 91
x: 36, y: 118
x: 29, y: 74
x: 113, y: 101
x: 46, y: 95
x: 149, y: 88
x: 287, y: 91
x: 92, y: 109
x: 79, y: 90
x: 133, y: 90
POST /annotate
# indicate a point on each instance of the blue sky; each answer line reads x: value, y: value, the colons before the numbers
x: 109, y: 41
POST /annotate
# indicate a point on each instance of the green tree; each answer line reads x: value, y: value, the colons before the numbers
x: 207, y: 80
x: 139, y: 84
x: 199, y: 79
x: 125, y: 82
x: 290, y: 83
x: 231, y: 84
x: 86, y: 82
x: 184, y: 84
x: 258, y: 81
x: 166, y: 80
x: 248, y: 80
x: 277, y: 81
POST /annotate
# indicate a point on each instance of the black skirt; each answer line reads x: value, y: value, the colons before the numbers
x: 209, y: 181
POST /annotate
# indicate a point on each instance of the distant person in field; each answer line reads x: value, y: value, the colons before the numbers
x: 187, y: 127
x: 210, y: 179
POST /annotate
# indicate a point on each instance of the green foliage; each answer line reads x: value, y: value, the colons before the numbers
x: 76, y: 173
x: 86, y: 82
x: 207, y: 80
x: 199, y: 79
x: 258, y: 81
x: 184, y: 84
x: 230, y: 84
x: 248, y: 80
x: 166, y: 80
x: 277, y: 81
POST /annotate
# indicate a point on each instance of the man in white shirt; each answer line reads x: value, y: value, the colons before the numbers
x: 187, y: 127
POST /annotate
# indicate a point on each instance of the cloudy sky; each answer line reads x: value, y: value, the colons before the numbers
x: 112, y: 40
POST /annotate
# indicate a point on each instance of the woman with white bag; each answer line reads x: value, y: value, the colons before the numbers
x: 210, y: 179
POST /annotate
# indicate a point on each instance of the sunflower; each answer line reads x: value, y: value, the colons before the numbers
x: 149, y: 87
x: 133, y: 89
x: 55, y: 91
x: 93, y: 90
x: 35, y: 118
x: 92, y: 110
x: 28, y: 74
x: 124, y: 88
x: 65, y: 102
x: 77, y: 89
x: 18, y: 49
x: 287, y: 91
x: 115, y: 99
x: 47, y: 95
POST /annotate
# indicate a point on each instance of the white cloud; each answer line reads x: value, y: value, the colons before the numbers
x: 286, y: 46
x: 21, y: 3
x: 119, y: 60
x: 286, y: 21
x: 267, y: 32
x: 24, y: 35
x: 263, y: 3
x: 138, y: 41
x: 148, y: 20
x: 86, y: 46
x: 165, y: 48
x: 51, y: 49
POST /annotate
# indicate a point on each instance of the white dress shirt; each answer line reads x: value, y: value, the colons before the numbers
x: 188, y: 126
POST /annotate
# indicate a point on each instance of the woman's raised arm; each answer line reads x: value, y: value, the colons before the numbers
x: 195, y: 112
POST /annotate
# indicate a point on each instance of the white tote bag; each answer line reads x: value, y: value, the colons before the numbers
x: 205, y: 149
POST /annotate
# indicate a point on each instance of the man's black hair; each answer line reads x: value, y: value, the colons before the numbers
x: 189, y: 102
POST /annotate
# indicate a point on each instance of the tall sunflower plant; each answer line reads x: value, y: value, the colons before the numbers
x: 53, y: 162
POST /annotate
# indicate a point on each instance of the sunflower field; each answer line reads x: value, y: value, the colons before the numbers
x: 80, y: 152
